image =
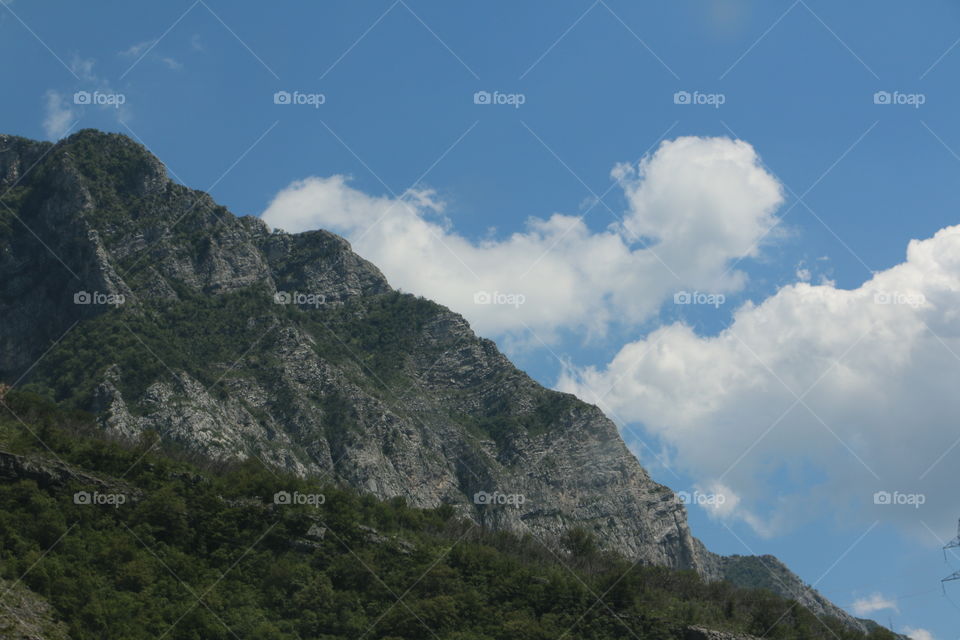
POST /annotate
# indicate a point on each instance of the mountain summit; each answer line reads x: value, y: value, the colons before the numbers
x: 146, y: 303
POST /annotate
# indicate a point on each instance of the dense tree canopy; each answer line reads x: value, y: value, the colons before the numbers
x: 200, y: 550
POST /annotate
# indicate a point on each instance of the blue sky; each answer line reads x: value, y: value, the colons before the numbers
x: 597, y: 81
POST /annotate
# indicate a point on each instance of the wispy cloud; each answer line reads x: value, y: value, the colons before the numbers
x: 873, y: 603
x: 140, y: 48
x: 137, y: 50
x: 63, y: 108
x: 58, y: 115
x: 83, y: 68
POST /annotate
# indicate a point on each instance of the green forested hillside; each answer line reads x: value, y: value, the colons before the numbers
x: 199, y: 550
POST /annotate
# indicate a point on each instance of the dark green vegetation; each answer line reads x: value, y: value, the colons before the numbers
x: 199, y: 551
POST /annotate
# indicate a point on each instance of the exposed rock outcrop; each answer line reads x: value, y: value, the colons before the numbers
x: 702, y: 633
x: 25, y: 615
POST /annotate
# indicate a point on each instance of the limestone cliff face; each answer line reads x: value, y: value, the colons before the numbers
x: 238, y: 341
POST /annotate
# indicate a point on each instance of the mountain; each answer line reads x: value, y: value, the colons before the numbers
x: 146, y: 303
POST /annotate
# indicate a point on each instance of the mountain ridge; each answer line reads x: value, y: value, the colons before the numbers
x: 382, y: 391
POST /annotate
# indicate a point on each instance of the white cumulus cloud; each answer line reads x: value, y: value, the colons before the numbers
x: 693, y: 207
x: 815, y: 397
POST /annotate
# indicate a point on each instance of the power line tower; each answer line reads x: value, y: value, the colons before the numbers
x: 953, y: 544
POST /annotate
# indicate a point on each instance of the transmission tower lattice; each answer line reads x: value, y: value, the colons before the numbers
x: 952, y: 545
